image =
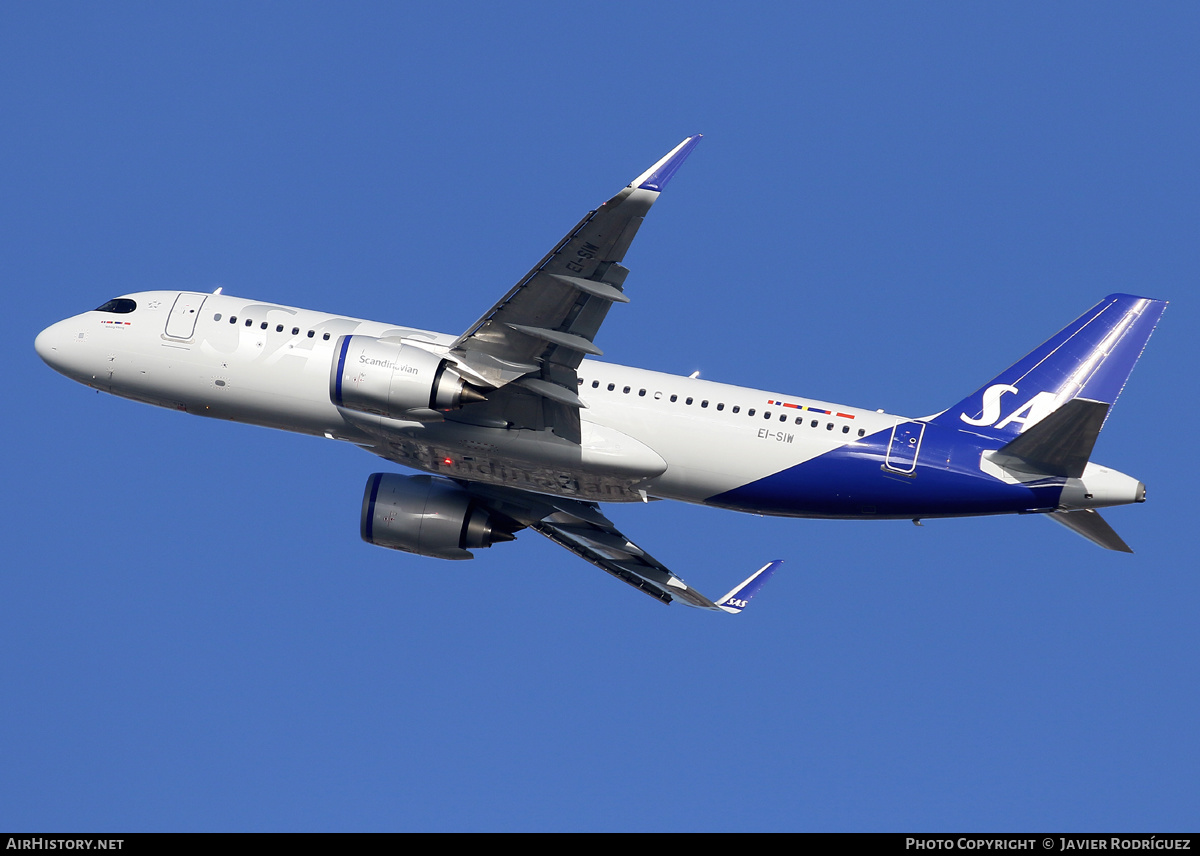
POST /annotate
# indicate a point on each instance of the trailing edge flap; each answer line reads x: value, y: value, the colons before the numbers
x: 584, y: 530
x: 1092, y: 526
x: 606, y: 548
x: 1062, y: 443
x: 609, y: 550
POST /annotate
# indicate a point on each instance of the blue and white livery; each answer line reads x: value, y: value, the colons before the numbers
x: 516, y: 425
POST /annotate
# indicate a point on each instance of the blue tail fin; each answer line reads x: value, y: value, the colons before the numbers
x: 1091, y: 359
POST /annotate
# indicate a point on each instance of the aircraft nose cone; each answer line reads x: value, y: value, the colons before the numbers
x: 52, y: 346
x: 46, y: 344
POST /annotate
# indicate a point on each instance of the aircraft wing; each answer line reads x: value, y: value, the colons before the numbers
x: 586, y: 532
x: 530, y: 343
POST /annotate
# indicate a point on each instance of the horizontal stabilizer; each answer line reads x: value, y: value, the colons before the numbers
x: 1092, y: 526
x: 1062, y: 443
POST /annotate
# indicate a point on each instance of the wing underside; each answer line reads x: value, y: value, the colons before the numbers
x: 584, y: 530
x: 527, y: 347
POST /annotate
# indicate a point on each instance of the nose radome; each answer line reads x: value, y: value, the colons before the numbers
x: 53, y: 346
x: 46, y: 343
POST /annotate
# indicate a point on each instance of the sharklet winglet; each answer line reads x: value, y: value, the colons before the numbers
x: 657, y: 176
x: 739, y: 597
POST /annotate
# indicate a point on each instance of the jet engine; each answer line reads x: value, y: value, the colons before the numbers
x: 389, y: 378
x: 429, y: 516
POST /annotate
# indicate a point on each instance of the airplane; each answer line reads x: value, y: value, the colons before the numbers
x: 515, y: 424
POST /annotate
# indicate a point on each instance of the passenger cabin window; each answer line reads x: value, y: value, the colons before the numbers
x: 121, y: 306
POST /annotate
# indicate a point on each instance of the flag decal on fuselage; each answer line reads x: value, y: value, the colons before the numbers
x: 810, y: 409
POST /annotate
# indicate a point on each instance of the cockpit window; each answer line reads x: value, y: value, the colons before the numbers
x: 122, y: 306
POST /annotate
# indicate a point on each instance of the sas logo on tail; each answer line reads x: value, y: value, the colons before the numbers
x: 1028, y: 414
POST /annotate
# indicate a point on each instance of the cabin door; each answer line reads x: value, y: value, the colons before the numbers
x: 904, y: 447
x: 181, y: 323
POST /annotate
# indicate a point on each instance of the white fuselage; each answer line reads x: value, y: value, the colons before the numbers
x: 644, y: 433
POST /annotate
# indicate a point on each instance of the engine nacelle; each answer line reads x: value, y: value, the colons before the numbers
x: 427, y: 515
x: 394, y: 380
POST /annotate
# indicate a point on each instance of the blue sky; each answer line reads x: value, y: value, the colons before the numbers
x: 892, y: 203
